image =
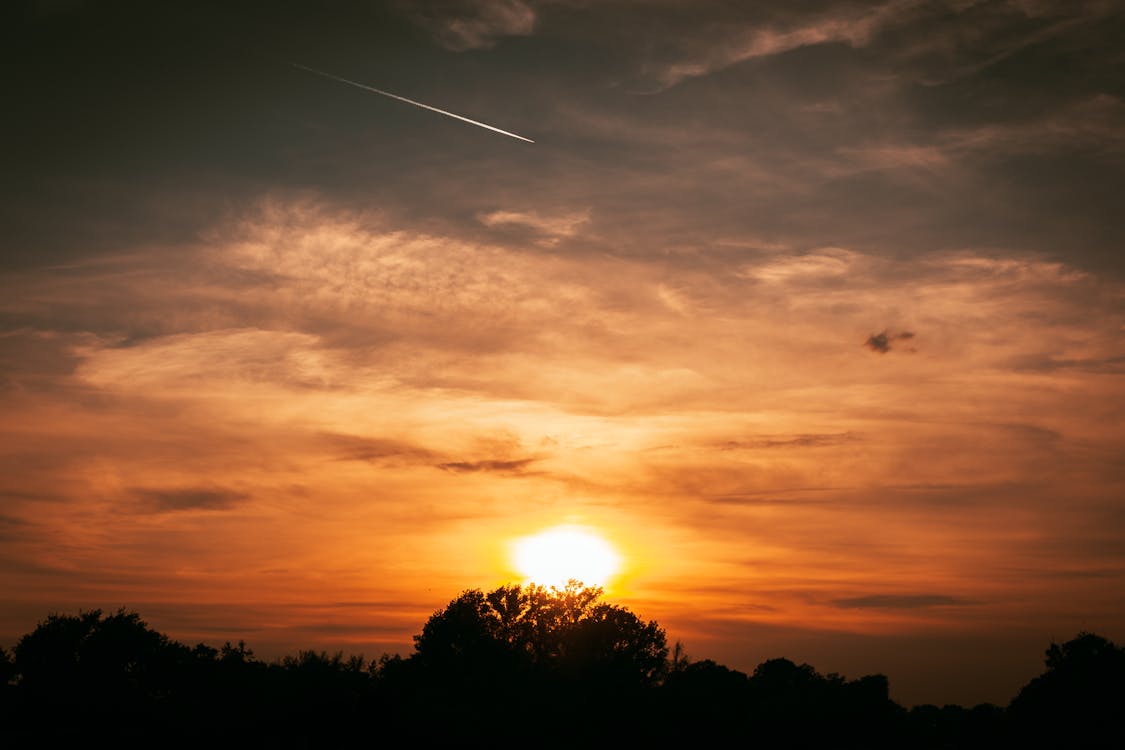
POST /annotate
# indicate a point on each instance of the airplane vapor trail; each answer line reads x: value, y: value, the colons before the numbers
x: 410, y: 101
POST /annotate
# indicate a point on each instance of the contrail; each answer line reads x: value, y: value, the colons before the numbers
x: 410, y: 101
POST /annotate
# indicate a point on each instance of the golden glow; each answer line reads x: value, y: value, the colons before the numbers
x: 554, y: 556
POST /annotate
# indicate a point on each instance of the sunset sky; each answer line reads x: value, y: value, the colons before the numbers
x: 814, y: 310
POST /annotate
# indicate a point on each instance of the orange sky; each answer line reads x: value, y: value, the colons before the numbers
x: 317, y: 414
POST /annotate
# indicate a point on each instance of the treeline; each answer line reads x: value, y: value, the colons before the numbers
x: 518, y: 666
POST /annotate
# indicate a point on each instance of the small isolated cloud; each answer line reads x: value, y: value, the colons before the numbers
x: 551, y: 228
x: 504, y: 467
x: 461, y: 25
x: 881, y: 342
x: 189, y: 498
x: 899, y: 601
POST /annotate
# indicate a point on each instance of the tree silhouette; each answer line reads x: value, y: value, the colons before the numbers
x: 510, y: 654
x: 1080, y: 700
x: 534, y: 630
x: 94, y: 660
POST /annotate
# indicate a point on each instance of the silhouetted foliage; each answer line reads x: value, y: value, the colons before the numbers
x: 515, y: 666
x: 1080, y: 700
x: 96, y: 665
x: 508, y: 653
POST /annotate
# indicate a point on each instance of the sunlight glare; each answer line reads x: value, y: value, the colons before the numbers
x: 554, y: 556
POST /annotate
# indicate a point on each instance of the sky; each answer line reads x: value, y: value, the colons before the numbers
x: 814, y: 310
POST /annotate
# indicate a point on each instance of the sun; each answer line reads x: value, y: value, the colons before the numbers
x: 556, y: 555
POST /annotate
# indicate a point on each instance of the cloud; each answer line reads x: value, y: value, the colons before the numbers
x: 881, y: 342
x: 189, y: 498
x: 552, y: 228
x: 900, y: 601
x: 790, y: 441
x: 756, y: 38
x: 461, y: 25
x: 374, y: 450
x: 389, y: 452
x: 939, y: 44
x: 1092, y: 124
x: 824, y: 265
x: 502, y: 467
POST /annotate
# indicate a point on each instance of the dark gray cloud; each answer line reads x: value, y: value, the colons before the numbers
x: 189, y: 498
x: 881, y: 342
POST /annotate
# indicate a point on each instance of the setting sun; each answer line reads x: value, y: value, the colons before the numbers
x: 557, y: 555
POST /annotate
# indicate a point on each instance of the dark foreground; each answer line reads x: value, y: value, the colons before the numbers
x: 516, y: 667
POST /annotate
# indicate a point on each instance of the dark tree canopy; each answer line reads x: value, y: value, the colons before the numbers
x: 1080, y: 700
x: 104, y: 659
x: 519, y: 655
x: 534, y: 632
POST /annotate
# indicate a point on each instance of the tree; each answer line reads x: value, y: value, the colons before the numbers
x: 613, y: 646
x: 536, y: 631
x: 90, y: 670
x: 1078, y: 700
x: 89, y: 657
x: 503, y: 663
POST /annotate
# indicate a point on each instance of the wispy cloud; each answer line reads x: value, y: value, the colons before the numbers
x: 189, y: 498
x: 503, y: 467
x: 551, y: 229
x: 462, y: 25
x: 358, y: 448
x: 850, y: 26
x: 789, y: 441
x: 1092, y: 123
